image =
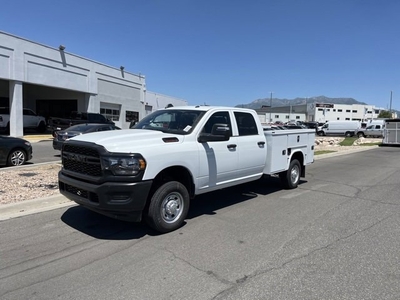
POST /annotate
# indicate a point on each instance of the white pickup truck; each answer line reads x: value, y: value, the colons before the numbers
x: 174, y: 154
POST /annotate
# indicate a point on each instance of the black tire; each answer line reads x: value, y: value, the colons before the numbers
x: 360, y: 135
x: 290, y: 178
x: 41, y: 128
x: 168, y: 207
x: 348, y: 134
x: 17, y: 157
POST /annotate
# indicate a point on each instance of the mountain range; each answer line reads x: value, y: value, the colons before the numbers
x: 256, y: 104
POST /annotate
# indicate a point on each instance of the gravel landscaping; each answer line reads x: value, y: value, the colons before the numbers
x: 38, y: 181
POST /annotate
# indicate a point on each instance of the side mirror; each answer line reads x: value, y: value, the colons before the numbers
x: 219, y: 133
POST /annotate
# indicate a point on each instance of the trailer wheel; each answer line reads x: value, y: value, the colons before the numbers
x: 168, y: 207
x: 290, y: 178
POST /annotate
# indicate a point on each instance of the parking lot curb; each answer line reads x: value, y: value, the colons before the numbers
x: 339, y: 153
x: 38, y: 138
x: 27, y: 207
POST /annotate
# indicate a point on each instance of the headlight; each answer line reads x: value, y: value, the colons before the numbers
x: 124, y: 165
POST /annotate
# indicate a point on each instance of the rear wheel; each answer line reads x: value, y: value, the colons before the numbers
x: 290, y: 178
x: 168, y: 207
x: 17, y: 157
x: 348, y: 134
x: 41, y: 128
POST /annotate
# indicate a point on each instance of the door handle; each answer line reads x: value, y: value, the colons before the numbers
x: 231, y: 146
x: 261, y: 143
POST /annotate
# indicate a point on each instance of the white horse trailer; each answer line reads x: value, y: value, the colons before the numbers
x: 391, y: 133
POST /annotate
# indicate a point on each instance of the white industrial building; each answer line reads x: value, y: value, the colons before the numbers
x: 320, y: 112
x: 53, y: 82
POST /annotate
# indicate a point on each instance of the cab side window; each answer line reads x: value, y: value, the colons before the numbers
x: 28, y: 112
x: 217, y: 118
x: 246, y: 124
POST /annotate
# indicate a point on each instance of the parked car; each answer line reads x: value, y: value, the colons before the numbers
x: 338, y: 128
x: 14, y: 151
x: 30, y: 120
x: 75, y: 118
x: 311, y: 125
x: 374, y: 128
x: 290, y: 126
x: 63, y: 135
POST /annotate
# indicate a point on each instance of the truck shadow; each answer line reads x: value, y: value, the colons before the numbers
x: 106, y: 228
x: 102, y: 227
x: 208, y: 204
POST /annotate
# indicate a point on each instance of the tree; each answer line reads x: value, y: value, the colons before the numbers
x: 385, y: 114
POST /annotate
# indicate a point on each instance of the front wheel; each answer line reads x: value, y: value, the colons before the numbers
x: 17, y: 157
x: 290, y: 178
x: 360, y: 135
x: 168, y: 207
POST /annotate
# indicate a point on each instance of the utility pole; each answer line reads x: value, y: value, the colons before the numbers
x: 270, y: 108
x: 390, y: 108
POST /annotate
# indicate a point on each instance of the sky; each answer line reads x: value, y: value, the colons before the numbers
x: 229, y: 52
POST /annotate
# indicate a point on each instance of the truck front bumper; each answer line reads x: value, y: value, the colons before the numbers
x: 119, y: 200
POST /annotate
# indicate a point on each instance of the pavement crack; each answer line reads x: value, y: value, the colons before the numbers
x: 246, y: 278
x: 211, y: 273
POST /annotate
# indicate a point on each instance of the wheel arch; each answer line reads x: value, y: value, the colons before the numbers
x: 175, y: 173
x: 300, y: 157
x: 16, y: 149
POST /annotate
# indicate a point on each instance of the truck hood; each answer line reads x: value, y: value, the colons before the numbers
x: 129, y: 140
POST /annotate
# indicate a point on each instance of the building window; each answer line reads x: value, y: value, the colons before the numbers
x: 276, y: 116
x: 334, y: 109
x: 347, y: 119
x: 297, y: 117
x: 328, y: 109
x: 110, y: 110
x: 377, y: 112
x: 347, y: 110
x: 369, y: 112
x: 339, y: 110
x: 338, y: 119
x: 131, y: 116
x: 354, y: 111
x: 111, y: 114
x: 320, y: 109
x: 287, y: 116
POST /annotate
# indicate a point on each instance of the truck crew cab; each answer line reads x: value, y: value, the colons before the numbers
x: 174, y: 154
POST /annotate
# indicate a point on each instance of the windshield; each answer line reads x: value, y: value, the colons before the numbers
x: 171, y: 121
x: 80, y: 127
